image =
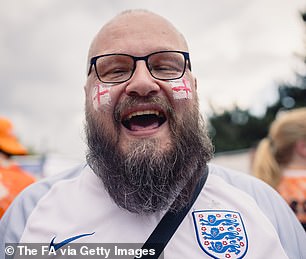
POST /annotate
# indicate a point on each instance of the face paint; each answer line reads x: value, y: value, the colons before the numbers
x: 181, y: 89
x: 101, y: 95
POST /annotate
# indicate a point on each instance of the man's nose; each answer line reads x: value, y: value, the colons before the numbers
x: 142, y: 83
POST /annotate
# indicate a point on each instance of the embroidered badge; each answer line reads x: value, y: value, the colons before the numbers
x: 221, y: 233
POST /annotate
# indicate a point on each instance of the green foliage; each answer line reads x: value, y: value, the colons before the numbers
x: 235, y: 129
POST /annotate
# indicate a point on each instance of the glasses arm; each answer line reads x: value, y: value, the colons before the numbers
x: 91, y: 63
x: 187, y: 59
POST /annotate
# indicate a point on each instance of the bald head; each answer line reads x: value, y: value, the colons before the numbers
x: 137, y: 29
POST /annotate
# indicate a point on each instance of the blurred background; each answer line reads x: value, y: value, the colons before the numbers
x: 249, y: 58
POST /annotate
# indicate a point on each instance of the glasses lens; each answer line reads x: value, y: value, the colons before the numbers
x: 114, y: 68
x: 167, y: 65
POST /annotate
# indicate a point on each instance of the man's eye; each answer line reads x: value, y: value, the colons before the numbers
x: 118, y: 71
x: 165, y: 68
x: 160, y: 68
x: 121, y: 69
x: 115, y: 74
x: 115, y: 71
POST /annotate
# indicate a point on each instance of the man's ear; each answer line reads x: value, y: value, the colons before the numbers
x: 300, y: 147
x: 86, y: 88
x: 196, y: 83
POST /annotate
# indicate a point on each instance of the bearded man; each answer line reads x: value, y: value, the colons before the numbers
x: 148, y: 154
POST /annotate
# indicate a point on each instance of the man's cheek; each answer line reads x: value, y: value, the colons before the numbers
x: 181, y: 89
x: 101, y: 96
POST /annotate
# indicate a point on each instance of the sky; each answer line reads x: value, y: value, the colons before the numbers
x: 240, y: 50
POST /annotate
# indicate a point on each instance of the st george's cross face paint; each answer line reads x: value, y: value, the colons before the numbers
x: 101, y: 95
x: 181, y: 89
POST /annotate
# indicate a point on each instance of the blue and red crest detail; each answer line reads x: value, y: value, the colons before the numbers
x: 221, y: 233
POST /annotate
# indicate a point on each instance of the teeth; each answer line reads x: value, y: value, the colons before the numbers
x: 143, y: 113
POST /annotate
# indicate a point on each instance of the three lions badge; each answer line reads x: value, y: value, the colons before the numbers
x: 221, y: 233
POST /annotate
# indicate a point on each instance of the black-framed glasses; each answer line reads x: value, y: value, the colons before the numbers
x: 118, y: 68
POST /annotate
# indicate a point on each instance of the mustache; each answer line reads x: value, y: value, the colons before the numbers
x: 132, y: 101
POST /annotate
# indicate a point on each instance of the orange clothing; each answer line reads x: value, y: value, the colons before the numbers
x: 12, y: 181
x: 293, y: 190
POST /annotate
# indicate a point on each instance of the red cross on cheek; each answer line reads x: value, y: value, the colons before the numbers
x: 100, y: 96
x: 181, y: 86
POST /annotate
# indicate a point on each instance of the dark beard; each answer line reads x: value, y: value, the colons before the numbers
x: 145, y: 179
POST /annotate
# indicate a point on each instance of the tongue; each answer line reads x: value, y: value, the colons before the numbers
x: 140, y: 127
x: 139, y: 123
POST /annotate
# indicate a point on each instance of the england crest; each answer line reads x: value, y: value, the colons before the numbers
x: 221, y: 233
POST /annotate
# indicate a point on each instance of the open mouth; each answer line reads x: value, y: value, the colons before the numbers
x: 144, y: 120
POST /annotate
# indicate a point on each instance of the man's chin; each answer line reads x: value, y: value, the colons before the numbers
x: 160, y: 137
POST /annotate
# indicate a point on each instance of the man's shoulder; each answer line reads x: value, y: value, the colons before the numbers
x: 13, y: 222
x: 266, y: 198
x: 40, y: 188
x: 239, y: 179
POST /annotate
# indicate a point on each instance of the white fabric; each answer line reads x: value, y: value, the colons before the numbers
x: 78, y: 205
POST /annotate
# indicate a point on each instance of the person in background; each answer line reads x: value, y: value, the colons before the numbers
x: 13, y: 178
x: 280, y: 159
x: 148, y: 163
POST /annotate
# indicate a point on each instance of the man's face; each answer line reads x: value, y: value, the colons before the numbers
x: 127, y: 111
x: 144, y: 135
